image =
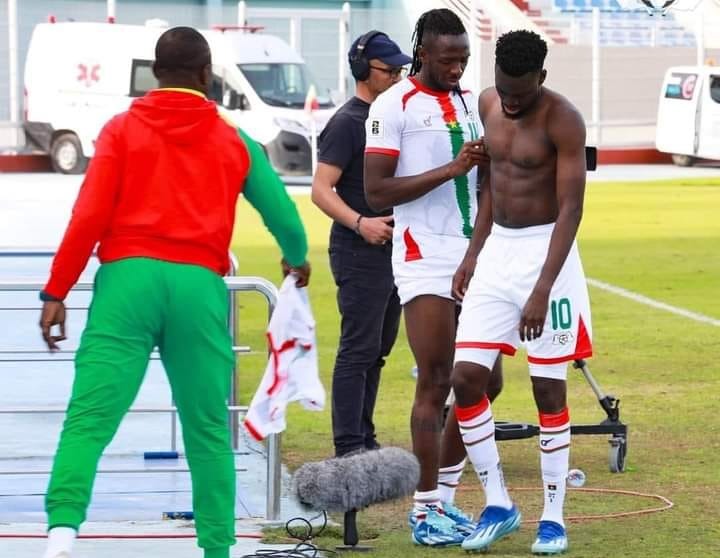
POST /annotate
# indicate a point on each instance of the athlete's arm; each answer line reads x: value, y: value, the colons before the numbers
x: 324, y: 196
x: 483, y: 219
x: 336, y: 152
x: 375, y: 230
x: 266, y: 193
x: 385, y: 127
x: 384, y: 190
x: 339, y: 147
x: 485, y: 101
x: 481, y: 230
x: 566, y: 130
x: 91, y: 214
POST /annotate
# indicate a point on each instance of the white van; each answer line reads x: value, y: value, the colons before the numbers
x: 78, y: 75
x: 688, y: 121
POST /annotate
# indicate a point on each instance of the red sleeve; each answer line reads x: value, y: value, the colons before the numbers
x: 91, y: 213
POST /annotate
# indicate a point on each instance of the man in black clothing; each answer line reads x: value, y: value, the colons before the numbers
x: 360, y: 247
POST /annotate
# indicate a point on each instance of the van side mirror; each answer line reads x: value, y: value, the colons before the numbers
x: 232, y: 100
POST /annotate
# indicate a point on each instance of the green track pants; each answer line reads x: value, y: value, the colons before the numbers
x: 139, y: 304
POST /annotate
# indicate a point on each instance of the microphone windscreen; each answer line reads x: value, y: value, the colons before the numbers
x: 350, y: 483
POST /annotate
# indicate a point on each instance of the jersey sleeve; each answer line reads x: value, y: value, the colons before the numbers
x: 267, y: 194
x: 384, y: 126
x: 91, y: 214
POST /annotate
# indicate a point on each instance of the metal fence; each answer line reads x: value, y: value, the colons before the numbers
x: 235, y: 284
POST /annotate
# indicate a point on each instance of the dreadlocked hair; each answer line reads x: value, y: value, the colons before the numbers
x: 433, y: 22
x: 520, y: 52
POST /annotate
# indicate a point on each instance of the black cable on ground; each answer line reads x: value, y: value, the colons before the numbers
x: 300, y: 529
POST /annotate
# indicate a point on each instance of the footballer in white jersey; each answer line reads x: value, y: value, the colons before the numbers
x: 426, y: 129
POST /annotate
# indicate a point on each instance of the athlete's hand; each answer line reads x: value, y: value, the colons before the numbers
x: 376, y: 230
x: 462, y: 276
x: 533, y: 315
x: 52, y: 314
x: 302, y: 272
x: 471, y: 154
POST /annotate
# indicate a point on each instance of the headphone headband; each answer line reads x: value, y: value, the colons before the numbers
x: 365, y: 40
x: 359, y: 64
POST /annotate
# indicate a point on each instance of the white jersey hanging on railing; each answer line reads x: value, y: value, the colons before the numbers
x: 292, y: 370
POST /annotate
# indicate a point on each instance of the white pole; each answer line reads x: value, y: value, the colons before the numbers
x: 294, y: 34
x: 313, y: 143
x: 475, y: 46
x: 343, y: 45
x: 13, y: 70
x: 573, y: 30
x: 596, y: 74
x: 242, y: 13
x: 111, y: 11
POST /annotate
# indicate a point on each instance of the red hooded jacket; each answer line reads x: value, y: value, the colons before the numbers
x: 163, y: 184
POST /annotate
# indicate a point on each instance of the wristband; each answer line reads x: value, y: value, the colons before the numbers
x: 45, y: 297
x: 357, y: 224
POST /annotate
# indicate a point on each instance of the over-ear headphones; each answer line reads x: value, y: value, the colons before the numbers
x: 359, y: 64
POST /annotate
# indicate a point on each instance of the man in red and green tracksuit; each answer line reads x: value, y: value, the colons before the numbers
x: 159, y: 198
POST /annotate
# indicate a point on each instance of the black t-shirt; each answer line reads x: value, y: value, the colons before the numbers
x: 342, y: 144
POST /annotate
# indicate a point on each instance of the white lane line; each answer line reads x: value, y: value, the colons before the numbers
x: 654, y: 303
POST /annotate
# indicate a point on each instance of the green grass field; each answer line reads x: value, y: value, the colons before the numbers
x: 658, y: 239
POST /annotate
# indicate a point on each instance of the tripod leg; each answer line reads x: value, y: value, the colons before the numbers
x: 607, y: 402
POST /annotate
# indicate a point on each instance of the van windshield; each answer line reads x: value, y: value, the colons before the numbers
x: 282, y: 85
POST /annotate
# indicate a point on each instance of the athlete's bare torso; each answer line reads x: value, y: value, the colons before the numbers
x: 523, y: 154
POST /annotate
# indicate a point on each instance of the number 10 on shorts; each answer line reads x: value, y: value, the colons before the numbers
x: 560, y: 314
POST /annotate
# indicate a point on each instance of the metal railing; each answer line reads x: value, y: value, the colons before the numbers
x: 60, y: 356
x: 234, y: 284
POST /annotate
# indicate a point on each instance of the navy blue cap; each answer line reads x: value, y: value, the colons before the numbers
x: 384, y: 49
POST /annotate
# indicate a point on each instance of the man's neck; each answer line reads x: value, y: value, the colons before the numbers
x: 423, y: 79
x: 170, y: 84
x: 363, y: 93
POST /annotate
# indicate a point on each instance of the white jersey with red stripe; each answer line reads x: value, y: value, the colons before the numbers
x: 426, y: 129
x: 291, y: 373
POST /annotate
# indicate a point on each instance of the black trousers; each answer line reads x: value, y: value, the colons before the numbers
x: 370, y: 316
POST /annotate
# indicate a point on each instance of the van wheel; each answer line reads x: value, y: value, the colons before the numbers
x: 683, y: 160
x: 67, y: 155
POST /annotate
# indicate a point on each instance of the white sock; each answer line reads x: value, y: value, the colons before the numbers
x: 448, y: 480
x: 60, y: 539
x: 554, y: 461
x: 421, y: 500
x: 477, y: 428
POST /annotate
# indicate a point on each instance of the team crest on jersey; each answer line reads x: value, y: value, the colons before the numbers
x: 377, y: 128
x: 563, y: 338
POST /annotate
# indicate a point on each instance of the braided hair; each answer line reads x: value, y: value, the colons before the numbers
x: 433, y: 22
